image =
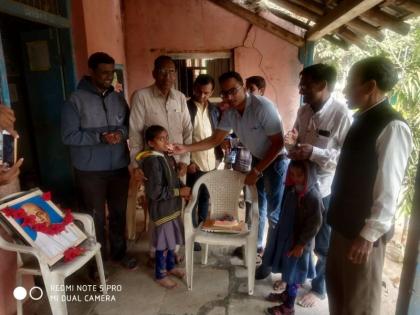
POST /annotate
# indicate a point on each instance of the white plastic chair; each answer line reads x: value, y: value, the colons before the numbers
x: 56, y: 274
x: 224, y: 187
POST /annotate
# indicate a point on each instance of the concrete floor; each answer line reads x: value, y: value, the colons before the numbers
x: 220, y: 288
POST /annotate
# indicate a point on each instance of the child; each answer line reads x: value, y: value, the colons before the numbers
x: 289, y: 250
x: 164, y: 193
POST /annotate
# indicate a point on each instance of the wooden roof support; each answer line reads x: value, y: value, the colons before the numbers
x: 259, y: 21
x: 346, y: 11
x: 411, y: 6
x: 337, y: 41
x: 385, y: 20
x: 297, y: 9
x: 352, y: 38
x: 369, y: 29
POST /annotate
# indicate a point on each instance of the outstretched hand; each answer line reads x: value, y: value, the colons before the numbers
x: 178, y: 149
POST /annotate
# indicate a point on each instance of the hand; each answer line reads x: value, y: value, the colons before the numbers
x: 290, y: 139
x: 296, y: 251
x: 178, y: 149
x: 182, y: 169
x: 139, y: 175
x: 360, y: 250
x: 185, y: 192
x: 7, y: 120
x: 251, y: 178
x: 225, y: 145
x: 193, y: 168
x: 302, y: 152
x: 112, y: 137
x: 8, y: 174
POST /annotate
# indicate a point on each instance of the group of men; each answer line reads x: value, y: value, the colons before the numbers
x: 360, y: 165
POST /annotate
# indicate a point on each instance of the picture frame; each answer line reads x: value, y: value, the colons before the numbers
x: 34, y: 203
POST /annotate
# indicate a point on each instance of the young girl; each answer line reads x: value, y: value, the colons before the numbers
x: 164, y: 192
x: 289, y: 251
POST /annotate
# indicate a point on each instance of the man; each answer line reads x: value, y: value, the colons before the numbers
x: 204, y: 119
x: 255, y: 85
x: 95, y: 127
x: 256, y: 121
x: 320, y: 128
x: 160, y: 104
x: 365, y: 189
x: 7, y: 121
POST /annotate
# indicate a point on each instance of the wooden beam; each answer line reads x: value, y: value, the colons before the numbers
x: 257, y: 20
x: 290, y: 19
x: 313, y: 6
x: 385, y: 20
x: 351, y: 38
x: 411, y: 6
x: 337, y: 41
x: 369, y: 29
x: 297, y: 9
x: 346, y: 11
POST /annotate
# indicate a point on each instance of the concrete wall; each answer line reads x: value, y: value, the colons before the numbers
x: 175, y: 26
x: 97, y: 26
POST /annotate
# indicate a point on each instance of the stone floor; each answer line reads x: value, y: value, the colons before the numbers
x: 220, y: 288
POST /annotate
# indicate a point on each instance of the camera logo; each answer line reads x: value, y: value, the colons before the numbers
x: 35, y: 293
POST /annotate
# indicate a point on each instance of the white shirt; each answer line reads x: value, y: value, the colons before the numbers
x: 205, y: 160
x: 334, y: 119
x: 150, y: 107
x: 393, y: 148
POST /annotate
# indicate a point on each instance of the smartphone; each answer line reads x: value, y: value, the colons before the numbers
x: 8, y: 149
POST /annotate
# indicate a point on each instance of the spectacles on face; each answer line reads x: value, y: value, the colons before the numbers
x: 230, y: 92
x: 165, y: 72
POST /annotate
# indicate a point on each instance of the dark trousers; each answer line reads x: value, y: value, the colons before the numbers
x: 97, y: 188
x: 202, y: 206
x: 165, y: 261
x: 322, y: 244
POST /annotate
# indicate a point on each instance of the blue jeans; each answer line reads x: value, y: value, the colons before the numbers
x: 270, y: 194
x: 203, y: 199
x: 164, y: 262
x: 322, y: 244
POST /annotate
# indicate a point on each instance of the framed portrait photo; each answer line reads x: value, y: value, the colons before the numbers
x: 40, y: 223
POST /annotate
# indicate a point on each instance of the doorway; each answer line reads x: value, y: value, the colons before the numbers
x: 38, y: 83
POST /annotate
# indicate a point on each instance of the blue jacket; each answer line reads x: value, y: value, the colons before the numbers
x: 84, y: 117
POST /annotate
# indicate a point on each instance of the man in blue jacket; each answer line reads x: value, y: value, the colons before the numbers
x: 95, y: 127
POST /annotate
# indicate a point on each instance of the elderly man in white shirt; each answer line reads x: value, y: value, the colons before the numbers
x: 365, y: 190
x: 160, y: 104
x: 319, y: 132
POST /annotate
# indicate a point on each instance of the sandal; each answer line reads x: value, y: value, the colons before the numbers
x: 279, y: 310
x: 129, y: 262
x: 277, y: 297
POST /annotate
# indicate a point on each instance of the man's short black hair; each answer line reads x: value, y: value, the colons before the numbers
x: 98, y: 58
x: 152, y: 132
x: 159, y: 61
x: 321, y: 72
x: 377, y: 68
x: 257, y: 80
x: 204, y: 79
x: 229, y: 75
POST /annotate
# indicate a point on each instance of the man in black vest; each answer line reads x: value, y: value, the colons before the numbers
x: 204, y: 119
x: 365, y: 189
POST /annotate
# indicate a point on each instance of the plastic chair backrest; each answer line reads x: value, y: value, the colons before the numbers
x: 224, y: 187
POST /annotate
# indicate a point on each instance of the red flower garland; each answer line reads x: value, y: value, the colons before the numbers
x: 49, y: 229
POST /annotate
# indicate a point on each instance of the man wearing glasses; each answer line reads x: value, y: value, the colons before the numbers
x: 160, y: 104
x: 256, y: 121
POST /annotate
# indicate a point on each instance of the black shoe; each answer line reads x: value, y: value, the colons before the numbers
x: 197, y: 247
x: 238, y: 252
x: 128, y: 262
x: 262, y: 272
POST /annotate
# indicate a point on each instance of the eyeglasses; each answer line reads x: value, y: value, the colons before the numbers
x: 166, y: 71
x: 230, y: 92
